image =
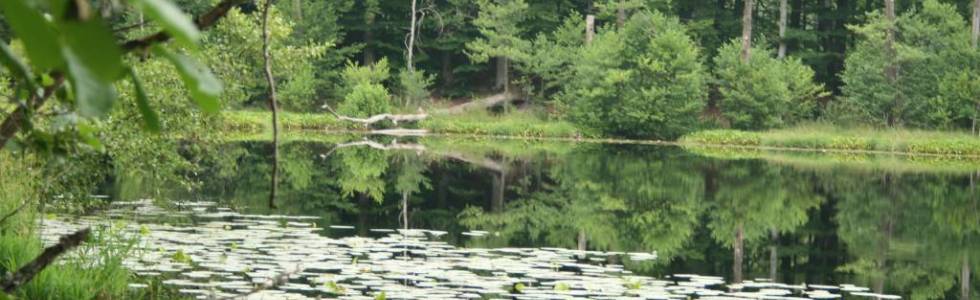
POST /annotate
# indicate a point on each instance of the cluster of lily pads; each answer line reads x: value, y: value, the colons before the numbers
x: 211, y: 252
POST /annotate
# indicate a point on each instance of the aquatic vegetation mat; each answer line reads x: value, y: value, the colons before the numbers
x: 209, y: 252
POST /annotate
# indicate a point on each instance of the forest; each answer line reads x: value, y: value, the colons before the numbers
x: 671, y: 128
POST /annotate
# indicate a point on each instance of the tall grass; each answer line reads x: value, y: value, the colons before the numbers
x: 92, y: 271
x: 830, y: 137
x: 261, y: 121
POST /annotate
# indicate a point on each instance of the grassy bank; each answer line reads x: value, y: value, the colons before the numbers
x: 519, y: 124
x: 828, y: 137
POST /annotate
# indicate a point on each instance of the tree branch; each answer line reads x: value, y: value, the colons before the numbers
x: 15, y: 121
x: 27, y: 272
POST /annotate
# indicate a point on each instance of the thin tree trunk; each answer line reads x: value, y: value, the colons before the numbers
x: 621, y: 14
x: 891, y: 71
x: 405, y: 209
x: 747, y: 30
x: 447, y: 70
x: 589, y: 29
x: 273, y: 105
x: 783, y: 15
x: 737, y: 253
x: 411, y: 40
x: 583, y: 240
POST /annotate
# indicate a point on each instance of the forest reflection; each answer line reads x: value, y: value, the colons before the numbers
x: 911, y: 231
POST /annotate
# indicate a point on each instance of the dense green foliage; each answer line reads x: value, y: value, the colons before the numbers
x: 645, y: 80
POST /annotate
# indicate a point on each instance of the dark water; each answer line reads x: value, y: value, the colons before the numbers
x: 899, y: 226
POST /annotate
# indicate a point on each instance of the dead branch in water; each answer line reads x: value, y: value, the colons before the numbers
x: 395, y: 118
x: 24, y: 275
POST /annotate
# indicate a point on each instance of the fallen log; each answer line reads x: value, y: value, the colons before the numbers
x: 482, y: 103
x: 395, y: 118
x: 24, y: 275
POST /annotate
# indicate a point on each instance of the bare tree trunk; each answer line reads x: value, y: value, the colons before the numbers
x: 411, y: 40
x: 783, y: 16
x: 405, y: 208
x: 747, y: 30
x: 583, y: 240
x: 976, y: 23
x: 589, y: 29
x: 447, y: 69
x: 891, y: 71
x: 267, y: 56
x: 737, y: 253
x: 621, y: 14
x: 503, y: 74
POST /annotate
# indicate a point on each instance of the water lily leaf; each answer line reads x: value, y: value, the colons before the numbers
x: 151, y: 122
x: 172, y: 19
x: 203, y: 85
x: 38, y: 34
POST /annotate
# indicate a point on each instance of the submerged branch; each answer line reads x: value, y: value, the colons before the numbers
x: 24, y: 275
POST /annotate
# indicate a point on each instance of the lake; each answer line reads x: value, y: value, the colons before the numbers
x: 439, y: 217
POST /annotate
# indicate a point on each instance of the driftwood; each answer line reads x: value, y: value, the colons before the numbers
x: 24, y: 275
x: 401, y: 132
x: 482, y: 103
x: 395, y: 118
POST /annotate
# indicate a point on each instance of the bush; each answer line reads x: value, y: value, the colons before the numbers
x: 644, y: 81
x: 934, y: 60
x: 364, y: 94
x: 765, y: 92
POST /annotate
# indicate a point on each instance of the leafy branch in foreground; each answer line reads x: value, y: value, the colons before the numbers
x: 78, y: 47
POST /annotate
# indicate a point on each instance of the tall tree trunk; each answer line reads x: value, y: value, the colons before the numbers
x: 589, y: 29
x: 976, y: 45
x: 369, y: 58
x: 411, y: 41
x: 405, y: 209
x: 503, y: 74
x: 583, y: 240
x: 737, y: 251
x: 273, y: 105
x: 976, y: 23
x: 795, y: 21
x: 783, y: 15
x: 891, y: 71
x: 621, y: 13
x: 747, y: 30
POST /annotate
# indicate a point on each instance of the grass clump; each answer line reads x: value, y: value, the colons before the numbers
x: 821, y: 136
x: 518, y: 124
x: 261, y: 121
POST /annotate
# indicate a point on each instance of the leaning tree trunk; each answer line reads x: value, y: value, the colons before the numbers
x: 273, y: 105
x: 891, y: 70
x: 783, y: 15
x: 747, y: 30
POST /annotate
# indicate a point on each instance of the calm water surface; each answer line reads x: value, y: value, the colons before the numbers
x: 897, y: 226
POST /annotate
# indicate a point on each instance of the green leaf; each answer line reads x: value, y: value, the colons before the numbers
x: 39, y: 36
x: 87, y: 134
x: 94, y: 96
x: 204, y: 87
x: 174, y: 21
x: 16, y: 66
x: 93, y: 44
x: 150, y: 119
